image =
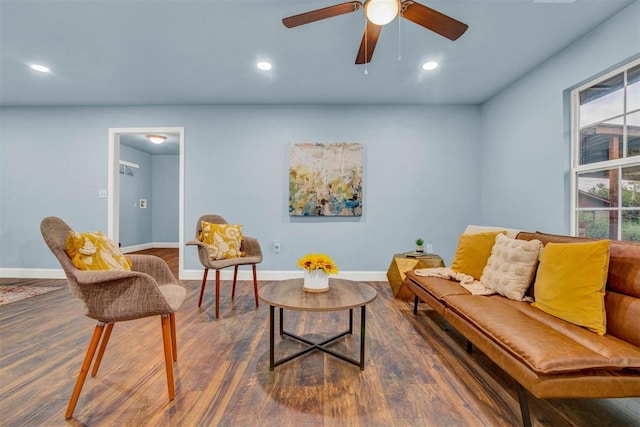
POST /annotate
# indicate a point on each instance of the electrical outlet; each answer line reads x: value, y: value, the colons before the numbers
x: 102, y: 194
x: 429, y: 248
x: 276, y: 247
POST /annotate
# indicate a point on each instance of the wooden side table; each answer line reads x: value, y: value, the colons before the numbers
x: 401, y: 263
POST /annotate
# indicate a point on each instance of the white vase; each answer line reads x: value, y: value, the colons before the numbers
x: 316, y: 281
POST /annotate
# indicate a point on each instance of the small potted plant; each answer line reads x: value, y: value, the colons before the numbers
x: 419, y: 245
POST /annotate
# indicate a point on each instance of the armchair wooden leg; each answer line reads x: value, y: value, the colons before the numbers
x: 103, y: 346
x: 166, y: 340
x: 174, y: 341
x: 235, y: 276
x: 204, y: 282
x: 97, y: 332
x: 217, y: 294
x: 255, y: 284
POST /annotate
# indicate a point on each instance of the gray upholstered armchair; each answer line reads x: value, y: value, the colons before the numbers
x: 113, y: 296
x: 250, y: 246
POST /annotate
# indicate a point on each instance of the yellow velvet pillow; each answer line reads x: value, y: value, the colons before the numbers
x: 223, y: 240
x: 95, y: 251
x: 571, y: 281
x: 473, y: 252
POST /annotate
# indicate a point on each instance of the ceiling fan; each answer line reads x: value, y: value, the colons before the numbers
x: 380, y: 13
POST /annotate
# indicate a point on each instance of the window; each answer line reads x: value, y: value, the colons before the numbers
x: 606, y: 156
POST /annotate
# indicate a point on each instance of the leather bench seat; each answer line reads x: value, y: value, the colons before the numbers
x: 432, y: 290
x: 520, y: 329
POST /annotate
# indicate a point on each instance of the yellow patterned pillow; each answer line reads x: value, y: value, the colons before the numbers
x: 571, y: 281
x: 223, y: 240
x: 95, y: 251
x: 473, y: 252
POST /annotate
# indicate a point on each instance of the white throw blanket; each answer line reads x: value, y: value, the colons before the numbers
x: 466, y: 281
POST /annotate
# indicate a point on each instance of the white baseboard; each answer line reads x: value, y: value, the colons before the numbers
x: 226, y: 274
x: 32, y: 273
x: 152, y: 245
x: 268, y: 275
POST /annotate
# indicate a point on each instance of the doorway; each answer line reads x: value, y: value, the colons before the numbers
x: 128, y: 136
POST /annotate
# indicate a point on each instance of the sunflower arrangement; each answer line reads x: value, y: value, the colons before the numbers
x: 311, y: 262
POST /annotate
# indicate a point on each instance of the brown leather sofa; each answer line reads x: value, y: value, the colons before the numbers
x: 547, y: 356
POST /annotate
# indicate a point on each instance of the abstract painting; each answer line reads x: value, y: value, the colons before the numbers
x: 325, y: 179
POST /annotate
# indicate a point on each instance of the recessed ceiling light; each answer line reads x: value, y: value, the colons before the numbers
x: 264, y: 65
x: 430, y: 65
x: 40, y: 68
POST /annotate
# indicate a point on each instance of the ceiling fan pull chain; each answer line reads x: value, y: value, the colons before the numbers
x: 399, y: 36
x: 366, y: 46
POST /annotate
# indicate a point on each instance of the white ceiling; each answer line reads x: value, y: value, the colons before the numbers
x: 168, y: 52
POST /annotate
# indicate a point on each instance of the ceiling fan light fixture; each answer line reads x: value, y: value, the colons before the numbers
x: 156, y: 139
x: 381, y: 12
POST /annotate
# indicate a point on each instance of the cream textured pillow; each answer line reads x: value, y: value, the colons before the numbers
x: 95, y: 251
x: 511, y: 266
x: 223, y: 240
x: 571, y: 283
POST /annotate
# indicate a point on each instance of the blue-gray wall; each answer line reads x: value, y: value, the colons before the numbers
x: 420, y: 169
x: 156, y: 181
x: 135, y: 222
x: 421, y: 174
x: 526, y: 149
x: 165, y: 177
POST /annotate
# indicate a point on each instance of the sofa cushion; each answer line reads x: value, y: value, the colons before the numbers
x: 571, y: 281
x: 623, y: 313
x: 544, y: 343
x: 436, y: 286
x: 475, y: 229
x: 511, y: 266
x: 473, y: 252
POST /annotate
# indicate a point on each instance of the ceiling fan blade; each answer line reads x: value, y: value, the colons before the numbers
x: 368, y: 44
x: 319, y: 14
x: 433, y: 20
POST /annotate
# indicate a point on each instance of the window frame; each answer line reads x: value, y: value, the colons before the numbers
x: 620, y: 163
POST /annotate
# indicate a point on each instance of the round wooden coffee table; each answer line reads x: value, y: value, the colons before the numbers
x: 342, y: 295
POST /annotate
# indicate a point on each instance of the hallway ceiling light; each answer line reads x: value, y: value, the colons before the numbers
x: 156, y: 139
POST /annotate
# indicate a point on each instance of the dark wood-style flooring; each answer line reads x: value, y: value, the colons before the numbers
x: 417, y: 370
